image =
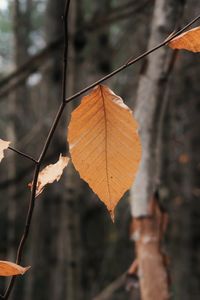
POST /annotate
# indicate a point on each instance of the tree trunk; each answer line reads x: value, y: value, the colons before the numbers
x: 21, y: 28
x: 182, y: 171
x: 67, y: 243
x: 150, y: 99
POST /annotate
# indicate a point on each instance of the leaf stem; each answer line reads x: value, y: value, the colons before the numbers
x: 23, y: 154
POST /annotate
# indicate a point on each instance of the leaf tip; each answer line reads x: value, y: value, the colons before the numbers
x: 8, y: 268
x: 112, y: 215
x: 25, y: 270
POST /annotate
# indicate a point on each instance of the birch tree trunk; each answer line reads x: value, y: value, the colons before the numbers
x: 147, y: 216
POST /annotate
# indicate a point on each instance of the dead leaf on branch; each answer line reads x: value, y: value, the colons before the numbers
x: 104, y: 144
x: 3, y: 146
x: 189, y: 40
x: 8, y: 268
x: 51, y: 173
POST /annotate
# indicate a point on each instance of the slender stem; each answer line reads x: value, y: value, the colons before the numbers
x: 131, y: 61
x: 43, y: 152
x: 65, y: 54
x: 26, y: 230
x: 51, y: 132
x: 23, y: 154
x: 65, y: 65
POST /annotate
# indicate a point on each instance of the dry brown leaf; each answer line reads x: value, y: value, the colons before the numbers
x: 104, y: 144
x: 51, y: 173
x: 8, y: 268
x: 3, y: 146
x: 189, y: 40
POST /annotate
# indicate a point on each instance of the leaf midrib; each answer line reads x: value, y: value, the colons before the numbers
x: 106, y: 142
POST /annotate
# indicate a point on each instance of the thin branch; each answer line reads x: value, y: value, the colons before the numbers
x: 131, y: 61
x: 108, y: 291
x: 122, y: 280
x: 23, y: 154
x: 161, y: 109
x: 40, y: 161
x: 65, y: 65
x: 125, y: 6
x: 113, y: 17
x: 52, y: 130
x: 27, y: 170
x: 65, y: 54
x: 133, y: 267
x: 26, y: 230
x: 10, y: 87
x: 31, y: 64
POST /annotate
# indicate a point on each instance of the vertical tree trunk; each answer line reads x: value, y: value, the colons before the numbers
x: 21, y: 28
x: 66, y: 244
x: 182, y: 172
x: 151, y: 93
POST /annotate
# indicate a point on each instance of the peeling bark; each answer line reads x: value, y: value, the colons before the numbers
x: 147, y: 234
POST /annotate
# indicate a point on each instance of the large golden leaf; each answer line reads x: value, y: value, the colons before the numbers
x: 189, y: 40
x: 104, y: 144
x: 8, y: 268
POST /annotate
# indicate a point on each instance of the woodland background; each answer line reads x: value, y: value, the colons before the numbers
x: 74, y: 248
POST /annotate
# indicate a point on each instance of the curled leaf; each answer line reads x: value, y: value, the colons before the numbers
x: 8, y: 268
x: 3, y: 146
x: 51, y: 173
x: 189, y: 40
x: 104, y: 144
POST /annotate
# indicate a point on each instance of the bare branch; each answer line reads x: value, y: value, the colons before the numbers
x: 23, y: 154
x: 131, y: 62
x: 108, y: 292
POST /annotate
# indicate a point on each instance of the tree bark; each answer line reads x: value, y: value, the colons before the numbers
x: 21, y: 29
x: 150, y: 100
x: 67, y: 243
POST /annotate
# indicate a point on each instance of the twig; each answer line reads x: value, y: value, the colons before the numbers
x: 133, y: 267
x: 131, y: 62
x: 40, y: 161
x: 55, y: 123
x: 31, y: 64
x: 114, y: 17
x: 26, y: 230
x: 65, y: 54
x: 23, y: 154
x: 23, y: 173
x: 108, y: 292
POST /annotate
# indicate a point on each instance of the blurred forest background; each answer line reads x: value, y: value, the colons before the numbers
x: 74, y: 248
